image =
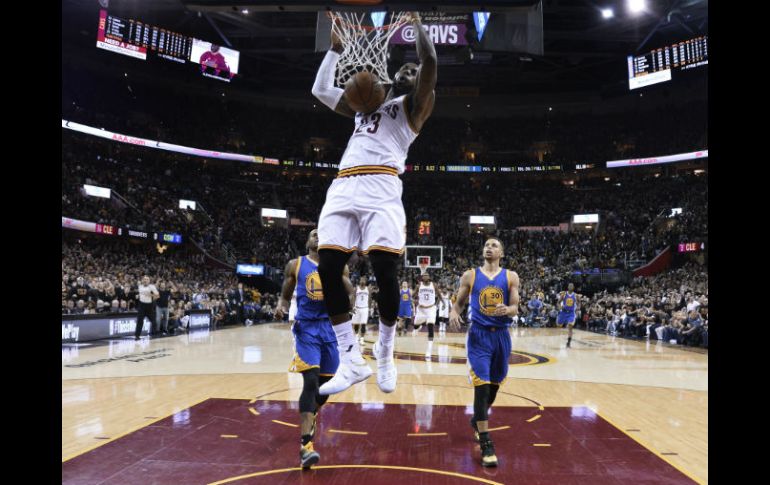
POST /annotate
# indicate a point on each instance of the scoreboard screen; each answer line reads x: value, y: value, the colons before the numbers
x: 660, y: 65
x: 134, y: 38
x: 691, y: 247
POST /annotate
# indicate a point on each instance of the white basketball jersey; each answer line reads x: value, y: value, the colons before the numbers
x: 427, y: 295
x: 381, y: 138
x: 362, y: 297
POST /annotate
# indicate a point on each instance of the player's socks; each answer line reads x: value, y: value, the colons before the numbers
x: 385, y: 339
x: 569, y: 340
x: 387, y: 374
x: 350, y: 351
x: 429, y: 351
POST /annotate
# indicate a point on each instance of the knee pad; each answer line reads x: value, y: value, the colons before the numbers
x: 307, y: 400
x: 385, y: 266
x: 331, y: 265
x: 481, y: 402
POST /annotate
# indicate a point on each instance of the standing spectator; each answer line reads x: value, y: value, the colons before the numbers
x: 164, y: 295
x: 147, y: 293
x: 239, y: 299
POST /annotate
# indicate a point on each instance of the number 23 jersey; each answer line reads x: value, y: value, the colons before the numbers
x: 382, y: 137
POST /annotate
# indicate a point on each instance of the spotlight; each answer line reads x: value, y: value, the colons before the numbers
x: 637, y: 6
x: 607, y: 13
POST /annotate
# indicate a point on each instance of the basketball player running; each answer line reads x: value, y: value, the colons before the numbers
x: 361, y: 315
x: 363, y: 208
x: 568, y: 304
x: 443, y: 310
x: 427, y: 295
x: 404, y: 308
x: 315, y: 355
x: 494, y: 299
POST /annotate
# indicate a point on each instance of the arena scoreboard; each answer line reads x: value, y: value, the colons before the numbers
x: 691, y: 247
x: 661, y: 64
x: 137, y: 39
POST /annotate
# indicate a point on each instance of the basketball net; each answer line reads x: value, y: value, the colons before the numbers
x: 423, y: 263
x: 365, y: 47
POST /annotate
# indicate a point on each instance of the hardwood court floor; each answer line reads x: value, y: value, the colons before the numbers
x: 657, y: 395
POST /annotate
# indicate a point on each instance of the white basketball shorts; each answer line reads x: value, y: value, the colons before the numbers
x: 425, y: 315
x: 363, y: 212
x: 360, y: 316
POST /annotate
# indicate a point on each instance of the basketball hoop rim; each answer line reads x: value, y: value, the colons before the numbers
x: 385, y: 27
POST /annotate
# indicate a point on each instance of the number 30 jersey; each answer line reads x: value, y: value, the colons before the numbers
x: 382, y: 137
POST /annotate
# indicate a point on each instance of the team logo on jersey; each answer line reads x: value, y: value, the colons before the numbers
x: 313, y: 286
x: 405, y: 297
x: 570, y: 301
x: 489, y: 298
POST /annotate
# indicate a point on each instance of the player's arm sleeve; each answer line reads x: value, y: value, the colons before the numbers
x: 424, y: 94
x: 324, y: 88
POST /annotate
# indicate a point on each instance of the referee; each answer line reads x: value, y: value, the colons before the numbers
x: 147, y: 295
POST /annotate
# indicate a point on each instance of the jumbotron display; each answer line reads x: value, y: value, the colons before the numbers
x: 658, y: 65
x: 135, y: 39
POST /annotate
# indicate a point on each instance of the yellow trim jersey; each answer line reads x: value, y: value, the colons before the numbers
x: 381, y: 138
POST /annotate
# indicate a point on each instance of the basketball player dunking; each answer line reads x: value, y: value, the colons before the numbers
x: 363, y: 208
x: 568, y: 305
x: 405, y: 307
x: 427, y: 294
x: 315, y: 355
x: 361, y: 315
x: 494, y: 299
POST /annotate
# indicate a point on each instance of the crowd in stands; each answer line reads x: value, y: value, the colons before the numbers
x: 671, y: 307
x: 103, y: 99
x: 147, y: 185
x: 102, y: 275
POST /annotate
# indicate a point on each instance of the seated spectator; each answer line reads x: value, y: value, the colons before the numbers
x: 691, y: 335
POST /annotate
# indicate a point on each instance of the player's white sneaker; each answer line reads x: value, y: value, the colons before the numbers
x: 386, y: 369
x: 346, y: 376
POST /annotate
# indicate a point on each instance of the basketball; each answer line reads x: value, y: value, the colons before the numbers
x: 364, y: 92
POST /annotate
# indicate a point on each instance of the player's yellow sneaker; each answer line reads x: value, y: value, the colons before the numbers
x: 308, y: 456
